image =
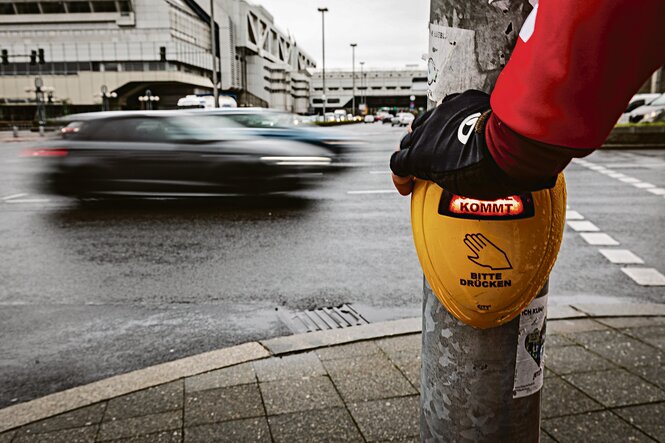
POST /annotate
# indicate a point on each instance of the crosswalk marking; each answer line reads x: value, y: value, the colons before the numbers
x: 657, y: 191
x: 573, y: 215
x: 645, y: 276
x: 598, y: 239
x: 621, y: 256
x: 583, y: 226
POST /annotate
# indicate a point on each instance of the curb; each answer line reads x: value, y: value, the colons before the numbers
x: 106, y: 389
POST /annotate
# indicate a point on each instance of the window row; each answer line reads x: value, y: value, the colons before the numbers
x: 65, y: 7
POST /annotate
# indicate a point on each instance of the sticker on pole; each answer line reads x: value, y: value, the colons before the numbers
x: 529, y: 362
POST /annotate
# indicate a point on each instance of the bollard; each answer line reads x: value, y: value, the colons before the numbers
x: 41, y: 130
x: 15, y: 131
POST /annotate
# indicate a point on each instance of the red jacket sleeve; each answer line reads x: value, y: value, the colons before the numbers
x: 573, y: 71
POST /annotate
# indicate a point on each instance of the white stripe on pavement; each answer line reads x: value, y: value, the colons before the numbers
x: 30, y: 200
x: 583, y: 226
x: 380, y: 172
x: 374, y: 191
x: 630, y: 180
x: 9, y: 197
x: 645, y: 276
x: 573, y: 215
x: 621, y: 256
x: 598, y: 239
x: 657, y: 191
x: 643, y: 185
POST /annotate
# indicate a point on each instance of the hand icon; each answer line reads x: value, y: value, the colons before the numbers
x: 486, y: 253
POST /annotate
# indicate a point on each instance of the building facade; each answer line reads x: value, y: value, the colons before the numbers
x: 376, y: 88
x: 131, y: 46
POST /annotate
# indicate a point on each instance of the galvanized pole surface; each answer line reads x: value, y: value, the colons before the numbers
x: 468, y: 374
x: 213, y: 48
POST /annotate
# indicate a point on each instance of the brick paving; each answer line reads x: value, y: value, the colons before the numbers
x: 604, y: 382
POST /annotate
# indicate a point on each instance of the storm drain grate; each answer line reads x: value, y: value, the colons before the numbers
x: 323, y: 319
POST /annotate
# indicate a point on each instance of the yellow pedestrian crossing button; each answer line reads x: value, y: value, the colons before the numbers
x: 487, y: 260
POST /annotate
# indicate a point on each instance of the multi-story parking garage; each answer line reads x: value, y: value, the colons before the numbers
x: 132, y: 46
x: 385, y: 88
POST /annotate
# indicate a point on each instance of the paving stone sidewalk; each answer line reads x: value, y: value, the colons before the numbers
x: 605, y: 382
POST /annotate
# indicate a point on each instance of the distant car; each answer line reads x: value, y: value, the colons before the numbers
x: 387, y: 118
x: 169, y: 154
x: 646, y: 112
x: 369, y: 119
x: 402, y: 119
x: 381, y: 115
x: 282, y: 125
x: 640, y: 100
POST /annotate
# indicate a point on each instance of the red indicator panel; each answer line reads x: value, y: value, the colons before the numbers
x: 508, y: 208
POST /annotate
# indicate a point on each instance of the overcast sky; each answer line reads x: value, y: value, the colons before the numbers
x: 389, y: 33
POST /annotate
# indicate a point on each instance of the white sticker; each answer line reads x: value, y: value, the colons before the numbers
x: 530, y: 359
x: 452, y: 65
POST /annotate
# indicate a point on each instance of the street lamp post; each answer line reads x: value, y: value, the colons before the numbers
x: 40, y: 90
x: 353, y: 74
x: 106, y: 96
x: 362, y: 84
x: 148, y: 99
x: 213, y: 46
x: 323, y: 44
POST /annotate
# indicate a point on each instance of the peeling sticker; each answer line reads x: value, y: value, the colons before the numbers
x: 452, y: 65
x: 529, y: 361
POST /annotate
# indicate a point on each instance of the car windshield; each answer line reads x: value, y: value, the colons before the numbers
x: 203, y: 129
x: 263, y: 119
x: 660, y: 101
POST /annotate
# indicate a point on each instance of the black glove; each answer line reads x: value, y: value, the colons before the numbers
x: 447, y: 146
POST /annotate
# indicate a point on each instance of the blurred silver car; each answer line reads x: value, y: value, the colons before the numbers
x: 169, y: 154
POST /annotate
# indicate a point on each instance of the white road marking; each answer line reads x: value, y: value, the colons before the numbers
x: 621, y: 256
x: 9, y: 197
x: 645, y: 276
x: 598, y: 239
x: 583, y: 226
x: 30, y: 200
x: 573, y: 215
x: 380, y: 172
x: 622, y: 177
x: 374, y: 191
x: 657, y: 191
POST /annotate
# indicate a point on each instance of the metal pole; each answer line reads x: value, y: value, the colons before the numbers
x: 323, y: 43
x: 362, y: 83
x: 353, y: 74
x: 213, y: 46
x: 468, y: 374
x: 655, y: 81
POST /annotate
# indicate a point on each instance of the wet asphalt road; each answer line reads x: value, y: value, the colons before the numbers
x: 92, y: 291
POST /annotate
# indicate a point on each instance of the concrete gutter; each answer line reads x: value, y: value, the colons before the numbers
x: 78, y: 397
